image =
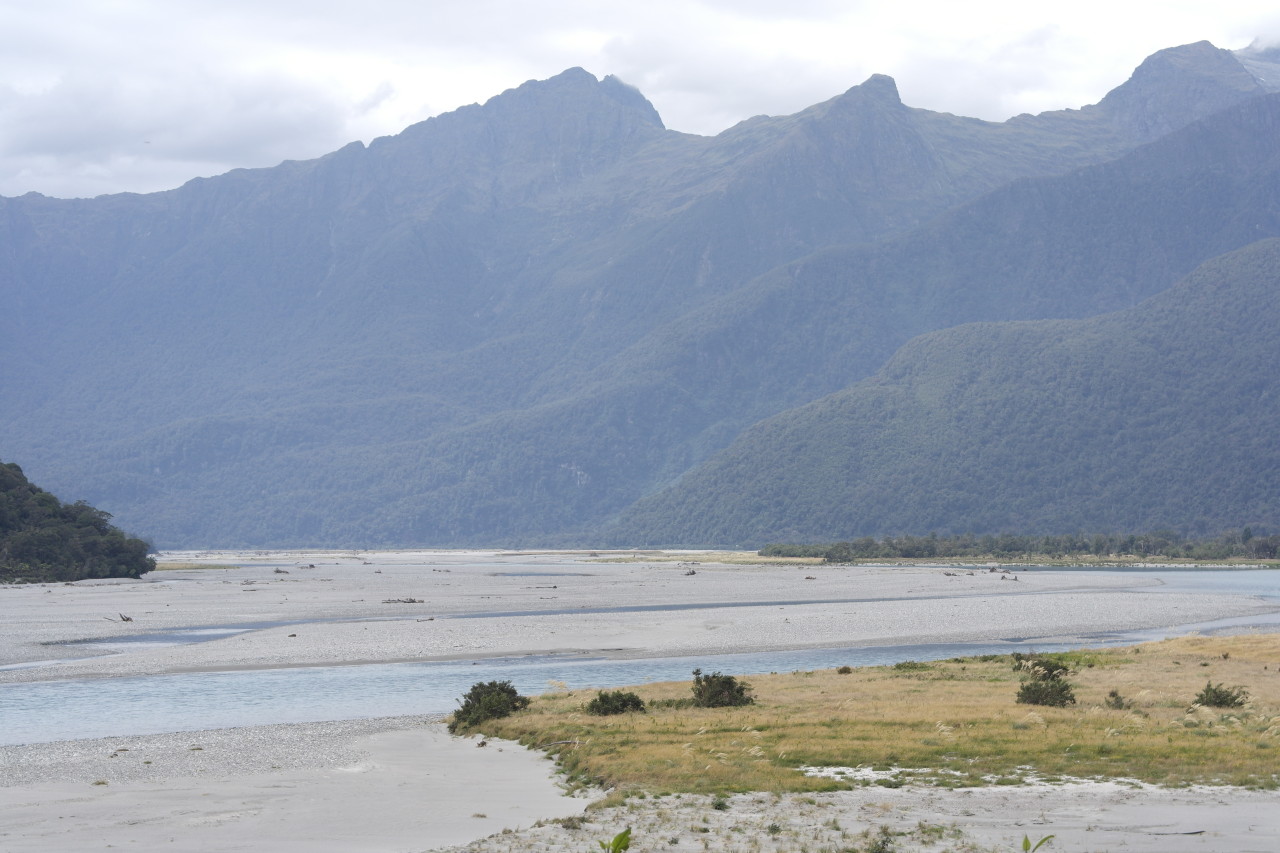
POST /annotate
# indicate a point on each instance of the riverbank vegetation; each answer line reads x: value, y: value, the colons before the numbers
x: 43, y: 539
x: 953, y: 723
x: 1235, y: 545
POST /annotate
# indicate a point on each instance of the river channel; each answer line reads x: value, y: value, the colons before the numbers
x: 87, y: 708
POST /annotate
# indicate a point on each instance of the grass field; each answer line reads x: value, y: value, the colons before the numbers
x: 951, y: 722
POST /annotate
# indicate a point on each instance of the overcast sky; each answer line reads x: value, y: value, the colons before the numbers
x: 104, y: 96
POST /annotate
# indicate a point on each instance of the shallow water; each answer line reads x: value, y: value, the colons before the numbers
x: 73, y: 709
x: 66, y: 710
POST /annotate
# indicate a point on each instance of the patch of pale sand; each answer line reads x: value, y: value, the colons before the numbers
x: 1085, y: 816
x: 373, y: 585
x: 410, y: 789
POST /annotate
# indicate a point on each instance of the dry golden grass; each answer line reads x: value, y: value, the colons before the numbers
x: 175, y: 566
x: 733, y: 558
x: 955, y: 720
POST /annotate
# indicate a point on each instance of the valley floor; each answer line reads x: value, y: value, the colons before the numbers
x: 401, y: 784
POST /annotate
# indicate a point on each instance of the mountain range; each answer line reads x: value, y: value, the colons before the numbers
x: 548, y: 319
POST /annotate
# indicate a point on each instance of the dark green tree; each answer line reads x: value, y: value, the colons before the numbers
x: 487, y: 701
x: 43, y: 539
x: 719, y: 691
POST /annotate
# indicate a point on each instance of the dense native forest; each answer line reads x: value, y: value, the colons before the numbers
x: 1163, y: 544
x: 550, y: 320
x: 44, y: 539
x: 1118, y: 422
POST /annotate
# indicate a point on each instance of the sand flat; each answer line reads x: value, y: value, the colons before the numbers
x: 402, y: 789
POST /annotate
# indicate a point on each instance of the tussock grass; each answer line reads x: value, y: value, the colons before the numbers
x: 955, y: 722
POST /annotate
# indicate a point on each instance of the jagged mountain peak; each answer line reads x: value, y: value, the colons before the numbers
x: 1180, y: 83
x: 541, y: 134
x: 880, y: 87
x: 577, y: 88
x: 878, y: 91
x: 572, y: 98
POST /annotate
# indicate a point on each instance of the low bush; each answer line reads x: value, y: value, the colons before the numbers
x: 609, y: 702
x: 1116, y: 702
x: 1040, y: 667
x: 1053, y: 692
x: 911, y: 666
x: 719, y: 691
x: 1217, y: 696
x: 487, y: 701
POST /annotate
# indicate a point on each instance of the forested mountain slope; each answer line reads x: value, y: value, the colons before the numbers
x: 1163, y: 415
x: 43, y: 539
x: 1072, y: 246
x: 509, y: 322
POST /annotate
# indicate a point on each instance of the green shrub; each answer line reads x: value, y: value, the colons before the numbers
x: 1217, y: 696
x: 1116, y: 702
x: 1040, y: 666
x: 609, y: 702
x: 881, y: 842
x: 1053, y: 692
x: 487, y: 701
x: 719, y: 691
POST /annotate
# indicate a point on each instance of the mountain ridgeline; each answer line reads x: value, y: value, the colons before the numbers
x: 548, y: 319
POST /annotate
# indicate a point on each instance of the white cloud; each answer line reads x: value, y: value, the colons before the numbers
x: 145, y: 94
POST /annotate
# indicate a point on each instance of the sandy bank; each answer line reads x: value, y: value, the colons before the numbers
x: 374, y: 785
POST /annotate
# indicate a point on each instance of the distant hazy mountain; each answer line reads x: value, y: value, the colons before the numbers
x: 1160, y: 416
x: 510, y: 322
